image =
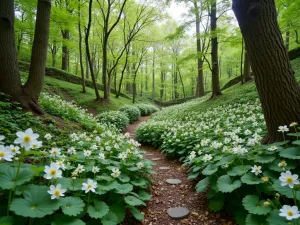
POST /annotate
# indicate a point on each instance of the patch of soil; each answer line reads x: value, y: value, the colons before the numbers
x: 165, y: 195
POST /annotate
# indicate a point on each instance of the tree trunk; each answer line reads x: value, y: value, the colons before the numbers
x: 216, y: 91
x: 88, y: 50
x: 247, y: 74
x: 182, y: 84
x: 104, y: 67
x: 162, y: 81
x: 35, y: 82
x: 153, y: 77
x: 80, y: 49
x: 65, y: 50
x: 123, y: 71
x: 277, y: 88
x: 87, y: 69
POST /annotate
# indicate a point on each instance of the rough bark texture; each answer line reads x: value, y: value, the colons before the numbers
x: 35, y: 82
x: 216, y: 90
x: 278, y: 90
x: 247, y: 75
x: 65, y: 50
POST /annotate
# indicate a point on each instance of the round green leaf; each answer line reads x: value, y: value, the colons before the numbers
x: 36, y: 203
x: 136, y: 213
x: 226, y: 185
x: 225, y: 160
x: 210, y: 169
x: 275, y: 219
x: 291, y: 164
x: 107, y: 186
x: 144, y: 195
x: 201, y: 186
x: 67, y: 220
x: 290, y: 153
x: 6, y: 220
x: 133, y: 201
x: 124, y: 178
x: 119, y: 210
x: 284, y: 190
x: 251, y: 178
x: 72, y: 206
x: 124, y: 188
x: 254, y: 206
x: 238, y: 170
x: 8, y: 178
x: 256, y: 220
x: 109, y: 219
x: 216, y: 203
x: 140, y: 182
x: 265, y: 159
x: 99, y: 210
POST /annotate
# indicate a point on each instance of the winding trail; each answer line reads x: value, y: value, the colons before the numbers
x: 165, y: 195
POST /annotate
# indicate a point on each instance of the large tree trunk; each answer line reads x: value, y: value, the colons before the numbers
x: 216, y: 91
x: 88, y: 50
x: 277, y: 88
x: 35, y: 82
x: 80, y: 48
x: 65, y: 50
x: 247, y: 75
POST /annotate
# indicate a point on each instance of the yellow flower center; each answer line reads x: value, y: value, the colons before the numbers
x: 2, y: 154
x: 27, y: 138
x: 89, y: 186
x: 290, y: 213
x: 52, y: 172
x: 57, y: 193
x: 289, y: 180
x: 116, y: 172
x: 13, y: 150
x: 54, y: 152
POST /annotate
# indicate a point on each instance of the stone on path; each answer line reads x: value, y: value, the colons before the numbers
x: 178, y: 213
x: 164, y: 168
x: 155, y: 159
x: 173, y: 181
x: 149, y: 154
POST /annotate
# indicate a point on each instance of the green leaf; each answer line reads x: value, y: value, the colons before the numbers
x: 216, y: 203
x: 254, y: 206
x: 193, y: 175
x: 140, y: 182
x: 107, y: 186
x: 238, y: 170
x: 225, y: 160
x: 210, y: 169
x: 256, y: 220
x: 72, y: 206
x: 265, y: 159
x: 251, y: 178
x: 109, y: 219
x: 226, y: 185
x: 133, y: 201
x: 201, y: 186
x: 291, y: 164
x: 119, y: 210
x: 290, y: 153
x: 67, y: 220
x: 284, y: 190
x: 275, y: 219
x: 35, y: 204
x: 6, y: 220
x: 144, y: 195
x: 136, y: 213
x: 124, y: 188
x: 99, y: 210
x: 124, y: 178
x: 8, y: 178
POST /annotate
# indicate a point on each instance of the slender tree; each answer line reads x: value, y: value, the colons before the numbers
x: 274, y: 78
x: 80, y: 48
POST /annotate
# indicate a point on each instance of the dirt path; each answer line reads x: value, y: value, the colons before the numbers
x: 165, y: 195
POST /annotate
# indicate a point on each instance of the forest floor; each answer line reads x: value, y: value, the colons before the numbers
x: 165, y: 195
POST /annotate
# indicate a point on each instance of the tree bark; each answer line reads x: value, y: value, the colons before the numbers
x: 216, y: 91
x: 88, y: 51
x: 35, y: 82
x: 65, y: 50
x: 278, y: 90
x: 153, y: 76
x: 80, y: 49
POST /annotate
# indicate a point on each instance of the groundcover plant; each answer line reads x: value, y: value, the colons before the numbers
x: 258, y: 183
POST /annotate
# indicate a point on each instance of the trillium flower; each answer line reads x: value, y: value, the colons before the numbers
x: 293, y: 124
x: 87, y: 153
x: 26, y: 139
x: 95, y: 169
x: 272, y: 148
x: 80, y: 168
x: 55, y: 152
x: 256, y: 170
x: 52, y: 171
x: 90, y: 185
x: 56, y: 191
x: 48, y: 136
x: 115, y: 172
x: 207, y: 157
x: 5, y: 153
x: 101, y: 155
x: 283, y: 129
x: 289, y: 212
x: 140, y: 165
x: 122, y: 156
x: 72, y: 151
x: 288, y: 178
x: 14, y: 149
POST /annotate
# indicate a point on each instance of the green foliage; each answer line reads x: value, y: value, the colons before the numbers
x: 117, y: 119
x: 132, y: 112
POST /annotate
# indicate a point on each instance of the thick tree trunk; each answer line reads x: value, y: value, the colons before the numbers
x: 80, y: 49
x: 277, y: 88
x: 216, y: 91
x: 247, y: 74
x: 88, y: 50
x: 35, y: 82
x: 65, y: 50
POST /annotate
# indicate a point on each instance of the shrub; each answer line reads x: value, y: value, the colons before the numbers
x: 147, y: 109
x: 115, y: 118
x: 132, y: 112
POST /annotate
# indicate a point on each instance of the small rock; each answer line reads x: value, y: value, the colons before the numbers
x: 173, y: 181
x: 155, y: 159
x: 178, y: 212
x: 164, y: 168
